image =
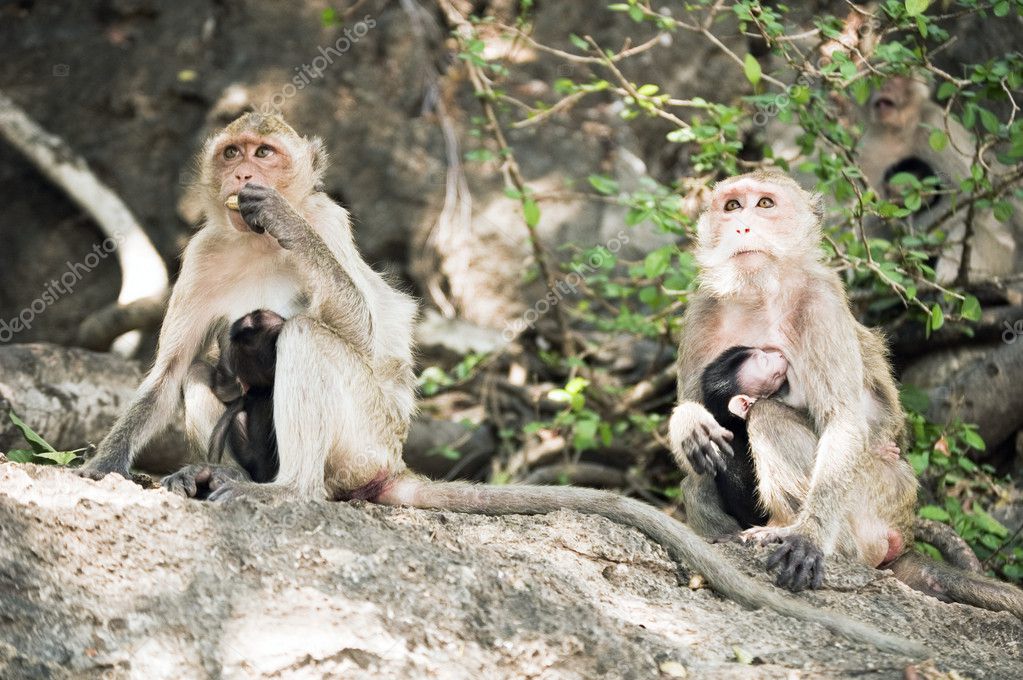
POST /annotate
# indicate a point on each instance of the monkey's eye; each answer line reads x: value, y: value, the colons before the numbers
x: 765, y: 202
x: 263, y: 151
x: 231, y: 151
x: 732, y: 204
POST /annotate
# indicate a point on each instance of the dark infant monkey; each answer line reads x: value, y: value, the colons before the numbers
x: 244, y: 380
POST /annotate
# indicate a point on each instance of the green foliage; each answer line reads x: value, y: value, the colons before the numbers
x: 433, y: 379
x: 40, y: 451
x: 941, y: 457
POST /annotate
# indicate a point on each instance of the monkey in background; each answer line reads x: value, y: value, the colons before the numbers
x: 247, y: 364
x: 763, y: 283
x: 344, y: 387
x: 900, y: 119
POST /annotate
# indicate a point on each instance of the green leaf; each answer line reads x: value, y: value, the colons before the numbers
x: 988, y: 120
x: 21, y: 456
x: 38, y: 444
x: 61, y: 458
x: 937, y: 317
x: 946, y: 90
x: 973, y: 440
x: 603, y: 185
x: 971, y: 308
x: 752, y: 68
x: 938, y: 140
x: 578, y: 42
x: 934, y: 512
x: 1003, y: 211
x: 861, y: 91
x: 914, y: 399
x: 989, y: 523
x: 657, y: 261
x: 916, y: 7
x: 648, y: 90
x: 531, y: 212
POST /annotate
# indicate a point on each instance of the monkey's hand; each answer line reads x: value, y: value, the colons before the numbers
x: 190, y: 480
x: 264, y: 209
x: 698, y: 437
x: 764, y: 535
x: 800, y: 563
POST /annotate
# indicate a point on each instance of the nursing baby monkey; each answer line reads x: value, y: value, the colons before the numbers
x: 344, y: 388
x: 826, y: 475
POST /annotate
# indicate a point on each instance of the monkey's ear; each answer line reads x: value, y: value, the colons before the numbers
x: 320, y: 160
x: 740, y: 404
x: 816, y: 201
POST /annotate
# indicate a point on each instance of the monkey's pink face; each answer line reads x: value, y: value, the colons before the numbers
x: 749, y: 219
x: 763, y: 373
x: 247, y: 158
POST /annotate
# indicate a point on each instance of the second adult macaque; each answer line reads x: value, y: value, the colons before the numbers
x: 344, y: 387
x: 899, y: 123
x: 763, y: 283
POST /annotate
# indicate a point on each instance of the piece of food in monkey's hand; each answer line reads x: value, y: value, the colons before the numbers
x: 232, y: 202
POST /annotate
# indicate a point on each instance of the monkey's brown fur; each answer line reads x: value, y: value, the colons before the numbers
x: 764, y: 284
x: 344, y: 385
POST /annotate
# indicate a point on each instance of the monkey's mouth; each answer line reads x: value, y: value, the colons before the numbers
x: 231, y: 203
x: 748, y: 251
x: 883, y: 104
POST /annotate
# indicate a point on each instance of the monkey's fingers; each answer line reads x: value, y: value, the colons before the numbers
x: 722, y: 439
x: 693, y: 453
x: 800, y: 564
x: 252, y: 201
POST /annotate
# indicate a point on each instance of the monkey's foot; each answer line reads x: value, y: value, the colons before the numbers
x: 764, y: 535
x: 195, y: 481
x: 234, y: 490
x: 101, y: 470
x: 800, y: 563
x: 735, y: 536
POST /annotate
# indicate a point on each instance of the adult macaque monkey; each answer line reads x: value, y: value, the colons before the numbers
x: 344, y: 385
x: 899, y: 123
x: 764, y: 284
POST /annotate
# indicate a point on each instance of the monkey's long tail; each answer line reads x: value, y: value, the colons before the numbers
x: 951, y: 584
x: 684, y: 546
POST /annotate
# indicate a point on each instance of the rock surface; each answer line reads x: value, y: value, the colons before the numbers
x: 107, y: 580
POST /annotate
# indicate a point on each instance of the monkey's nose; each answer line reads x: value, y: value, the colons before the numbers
x: 243, y: 178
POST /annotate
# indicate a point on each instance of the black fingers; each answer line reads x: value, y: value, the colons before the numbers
x: 800, y: 564
x: 707, y: 449
x: 186, y: 481
x: 194, y: 481
x: 251, y: 204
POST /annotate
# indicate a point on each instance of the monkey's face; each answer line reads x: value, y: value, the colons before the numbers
x: 248, y: 157
x: 896, y: 103
x: 261, y: 149
x: 753, y: 225
x: 763, y: 373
